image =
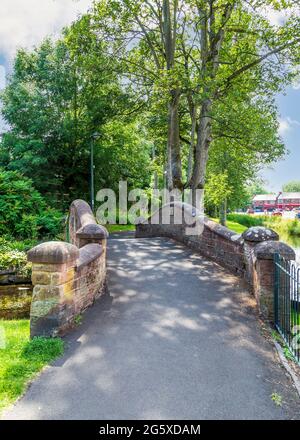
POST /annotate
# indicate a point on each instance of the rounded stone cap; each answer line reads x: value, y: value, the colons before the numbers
x: 53, y: 252
x: 260, y: 233
x: 92, y: 231
x: 267, y: 249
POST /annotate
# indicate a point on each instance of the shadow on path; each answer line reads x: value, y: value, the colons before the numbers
x: 175, y: 338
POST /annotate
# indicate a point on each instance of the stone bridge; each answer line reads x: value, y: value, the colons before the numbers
x: 175, y: 331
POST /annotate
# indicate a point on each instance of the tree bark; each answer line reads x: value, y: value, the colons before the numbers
x: 211, y: 42
x: 173, y: 148
x: 174, y: 156
x: 202, y: 146
x: 223, y: 213
x: 192, y: 144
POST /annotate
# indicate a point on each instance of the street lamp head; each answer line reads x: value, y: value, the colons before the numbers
x: 95, y: 135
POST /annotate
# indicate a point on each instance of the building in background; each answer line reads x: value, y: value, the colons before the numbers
x: 265, y: 201
x: 282, y: 200
x: 288, y: 200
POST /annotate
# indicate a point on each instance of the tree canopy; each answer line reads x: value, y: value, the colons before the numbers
x: 293, y: 186
x: 180, y: 92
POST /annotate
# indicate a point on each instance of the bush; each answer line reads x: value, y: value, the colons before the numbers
x: 294, y: 227
x: 279, y: 224
x: 24, y: 213
x: 14, y: 259
x: 247, y: 220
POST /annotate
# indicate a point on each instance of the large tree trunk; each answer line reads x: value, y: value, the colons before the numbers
x: 211, y: 42
x: 192, y: 143
x: 174, y: 156
x: 202, y: 146
x: 223, y: 213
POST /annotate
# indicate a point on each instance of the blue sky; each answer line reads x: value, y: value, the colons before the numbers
x: 288, y: 168
x: 26, y: 23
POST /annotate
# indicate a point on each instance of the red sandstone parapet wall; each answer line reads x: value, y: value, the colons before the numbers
x: 249, y: 255
x: 68, y: 277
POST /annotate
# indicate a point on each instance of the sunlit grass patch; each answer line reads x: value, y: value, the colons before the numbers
x: 119, y: 228
x: 21, y: 358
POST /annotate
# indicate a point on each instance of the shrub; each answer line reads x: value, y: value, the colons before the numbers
x: 279, y: 224
x: 24, y: 213
x: 13, y: 259
x: 247, y: 220
x: 294, y: 227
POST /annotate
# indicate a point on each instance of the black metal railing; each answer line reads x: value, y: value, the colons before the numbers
x: 287, y: 302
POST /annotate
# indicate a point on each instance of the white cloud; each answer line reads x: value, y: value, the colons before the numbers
x: 286, y: 125
x: 26, y: 23
x: 296, y: 86
x: 276, y: 18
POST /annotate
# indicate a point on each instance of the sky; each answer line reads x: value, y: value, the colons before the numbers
x: 26, y: 23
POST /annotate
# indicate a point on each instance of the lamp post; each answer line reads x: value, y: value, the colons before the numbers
x: 92, y: 170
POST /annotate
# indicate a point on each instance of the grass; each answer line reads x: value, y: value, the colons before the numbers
x: 119, y: 228
x: 279, y: 224
x: 236, y: 227
x: 295, y: 317
x: 233, y: 226
x: 21, y: 358
x: 277, y: 399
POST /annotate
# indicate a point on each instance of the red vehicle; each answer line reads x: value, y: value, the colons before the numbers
x: 277, y: 213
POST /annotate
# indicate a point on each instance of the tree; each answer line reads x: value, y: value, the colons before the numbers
x: 24, y: 212
x: 57, y: 97
x: 240, y: 157
x: 194, y: 54
x: 293, y: 186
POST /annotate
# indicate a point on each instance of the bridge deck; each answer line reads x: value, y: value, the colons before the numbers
x: 177, y: 339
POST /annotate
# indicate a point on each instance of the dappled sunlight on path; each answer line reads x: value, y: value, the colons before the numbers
x: 176, y: 338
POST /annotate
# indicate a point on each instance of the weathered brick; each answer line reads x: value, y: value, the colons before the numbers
x: 62, y: 291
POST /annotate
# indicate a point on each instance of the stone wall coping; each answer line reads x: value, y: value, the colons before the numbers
x: 199, y: 217
x: 53, y: 252
x: 84, y: 212
x: 92, y: 230
x: 189, y: 209
x: 88, y: 253
x: 266, y: 250
x: 222, y: 231
x: 260, y: 233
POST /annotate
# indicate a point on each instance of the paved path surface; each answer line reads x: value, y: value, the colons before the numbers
x: 176, y: 339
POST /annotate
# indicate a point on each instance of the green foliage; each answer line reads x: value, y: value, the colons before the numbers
x: 217, y: 189
x: 287, y: 353
x: 280, y: 225
x: 247, y: 220
x: 294, y: 227
x: 119, y: 228
x: 123, y: 151
x: 115, y: 71
x: 293, y: 186
x: 15, y: 261
x: 233, y: 226
x: 236, y: 227
x: 43, y: 349
x: 227, y: 73
x: 277, y: 399
x: 78, y: 320
x: 13, y: 256
x: 57, y: 97
x: 24, y: 213
x: 22, y: 358
x: 7, y: 244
